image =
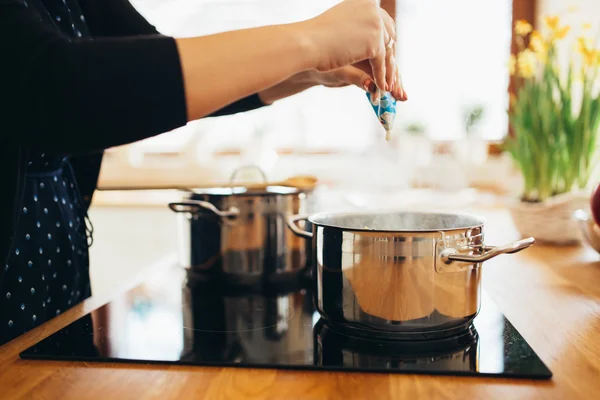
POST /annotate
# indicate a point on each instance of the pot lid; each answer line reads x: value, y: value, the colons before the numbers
x: 293, y: 185
x: 248, y: 190
x: 397, y: 221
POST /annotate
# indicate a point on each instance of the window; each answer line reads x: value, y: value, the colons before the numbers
x: 453, y: 56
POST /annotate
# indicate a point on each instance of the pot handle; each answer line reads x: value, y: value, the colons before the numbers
x: 291, y: 223
x: 193, y: 206
x: 450, y: 255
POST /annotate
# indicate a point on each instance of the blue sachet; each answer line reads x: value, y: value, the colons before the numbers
x: 384, y: 105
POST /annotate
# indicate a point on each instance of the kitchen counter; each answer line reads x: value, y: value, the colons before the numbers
x: 550, y: 294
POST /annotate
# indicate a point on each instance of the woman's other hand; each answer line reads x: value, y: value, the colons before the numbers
x: 351, y: 32
x: 340, y: 77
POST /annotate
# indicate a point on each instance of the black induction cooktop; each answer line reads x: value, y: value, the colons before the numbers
x: 171, y: 319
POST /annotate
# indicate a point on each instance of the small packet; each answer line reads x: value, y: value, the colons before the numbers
x: 384, y: 105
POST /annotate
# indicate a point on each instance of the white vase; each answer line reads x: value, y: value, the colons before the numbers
x: 550, y: 221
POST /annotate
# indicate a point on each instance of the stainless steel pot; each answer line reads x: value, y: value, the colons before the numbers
x: 238, y: 234
x: 399, y: 272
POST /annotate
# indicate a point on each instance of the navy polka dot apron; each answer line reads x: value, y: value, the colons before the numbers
x: 47, y: 270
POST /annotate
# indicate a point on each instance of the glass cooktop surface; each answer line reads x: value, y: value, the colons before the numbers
x: 170, y: 320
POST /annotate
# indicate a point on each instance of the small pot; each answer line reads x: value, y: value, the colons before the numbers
x: 404, y: 273
x: 237, y: 234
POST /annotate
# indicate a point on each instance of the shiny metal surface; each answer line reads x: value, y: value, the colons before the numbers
x: 399, y: 272
x: 246, y: 327
x: 238, y: 233
x: 192, y: 206
x: 449, y: 256
x: 457, y: 353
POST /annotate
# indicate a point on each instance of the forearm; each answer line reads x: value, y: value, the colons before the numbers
x: 255, y: 59
x: 298, y: 83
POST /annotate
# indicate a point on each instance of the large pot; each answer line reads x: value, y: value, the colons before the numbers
x: 237, y: 235
x: 402, y: 273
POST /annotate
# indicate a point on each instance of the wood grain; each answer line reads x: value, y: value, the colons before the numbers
x: 550, y: 294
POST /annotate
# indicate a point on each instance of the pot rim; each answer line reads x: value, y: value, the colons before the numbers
x: 250, y: 190
x: 476, y: 221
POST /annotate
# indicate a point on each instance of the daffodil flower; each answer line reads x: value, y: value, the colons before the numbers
x: 583, y: 44
x: 552, y: 22
x: 523, y: 28
x: 537, y: 44
x: 590, y: 56
x: 562, y: 32
x: 526, y: 62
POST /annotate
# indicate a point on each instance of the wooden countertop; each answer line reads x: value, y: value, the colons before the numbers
x: 550, y: 294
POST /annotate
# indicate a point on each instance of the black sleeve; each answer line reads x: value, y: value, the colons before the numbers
x: 114, y: 18
x: 84, y: 95
x: 120, y: 18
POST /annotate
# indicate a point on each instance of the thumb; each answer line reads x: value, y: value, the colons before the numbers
x: 357, y: 77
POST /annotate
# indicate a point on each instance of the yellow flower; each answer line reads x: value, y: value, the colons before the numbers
x: 573, y: 9
x: 552, y: 22
x: 591, y: 57
x: 587, y: 26
x: 583, y: 44
x: 512, y: 64
x: 562, y: 32
x: 522, y: 27
x: 526, y: 62
x: 536, y: 42
x: 556, y: 31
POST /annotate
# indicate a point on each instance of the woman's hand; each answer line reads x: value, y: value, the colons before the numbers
x: 340, y: 77
x: 351, y: 32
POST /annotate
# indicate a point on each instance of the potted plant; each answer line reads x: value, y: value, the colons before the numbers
x: 554, y: 117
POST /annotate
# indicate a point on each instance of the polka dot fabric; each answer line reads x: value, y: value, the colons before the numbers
x: 47, y: 270
x: 68, y: 17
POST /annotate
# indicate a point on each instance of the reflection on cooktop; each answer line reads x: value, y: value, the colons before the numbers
x: 169, y: 319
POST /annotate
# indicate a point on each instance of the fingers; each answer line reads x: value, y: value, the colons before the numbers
x: 378, y: 64
x: 390, y: 48
x: 390, y: 66
x: 398, y: 91
x: 357, y: 77
x: 365, y: 66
